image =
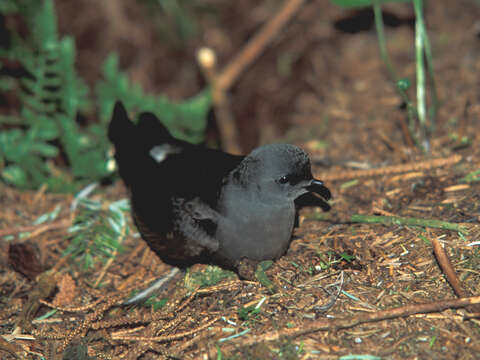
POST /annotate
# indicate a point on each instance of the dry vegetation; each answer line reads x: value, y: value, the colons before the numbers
x: 343, y: 288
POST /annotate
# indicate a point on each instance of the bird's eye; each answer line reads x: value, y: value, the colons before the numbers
x: 283, y: 180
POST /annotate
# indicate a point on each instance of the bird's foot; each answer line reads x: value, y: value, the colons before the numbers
x: 246, y: 269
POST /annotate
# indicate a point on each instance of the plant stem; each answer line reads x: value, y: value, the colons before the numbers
x: 381, y: 38
x: 420, y: 68
x: 429, y: 60
x: 394, y: 220
x: 408, y: 221
x: 384, y: 55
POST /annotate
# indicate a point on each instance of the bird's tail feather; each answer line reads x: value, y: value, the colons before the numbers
x: 121, y: 130
x: 152, y: 132
x: 148, y: 132
x: 133, y: 142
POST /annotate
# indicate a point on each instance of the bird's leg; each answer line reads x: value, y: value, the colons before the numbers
x: 246, y: 269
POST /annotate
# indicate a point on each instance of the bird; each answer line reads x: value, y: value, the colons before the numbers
x: 193, y: 204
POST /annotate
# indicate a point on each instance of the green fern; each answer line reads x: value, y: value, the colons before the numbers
x: 50, y: 96
x: 185, y: 120
x: 98, y: 231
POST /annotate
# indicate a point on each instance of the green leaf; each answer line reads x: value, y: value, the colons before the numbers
x: 44, y: 31
x: 471, y: 177
x: 47, y: 132
x: 44, y: 149
x: 9, y: 144
x: 194, y: 111
x: 186, y: 120
x: 15, y: 175
x: 403, y: 84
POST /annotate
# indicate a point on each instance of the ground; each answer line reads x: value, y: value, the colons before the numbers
x: 323, y: 86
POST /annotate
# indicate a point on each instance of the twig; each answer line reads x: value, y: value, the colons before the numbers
x: 226, y: 123
x: 177, y: 350
x: 222, y: 82
x: 168, y: 338
x: 86, y: 324
x: 452, y: 277
x: 228, y: 286
x: 75, y: 309
x: 105, y: 267
x: 60, y: 224
x: 403, y: 311
x: 333, y: 297
x: 447, y: 268
x: 60, y: 262
x: 395, y: 169
x: 351, y: 321
x: 258, y: 43
x: 406, y: 133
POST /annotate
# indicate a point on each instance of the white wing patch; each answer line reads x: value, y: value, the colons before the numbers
x: 160, y: 152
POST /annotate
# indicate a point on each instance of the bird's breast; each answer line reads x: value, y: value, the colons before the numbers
x: 255, y: 230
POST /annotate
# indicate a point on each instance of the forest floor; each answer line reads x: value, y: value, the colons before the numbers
x: 323, y: 86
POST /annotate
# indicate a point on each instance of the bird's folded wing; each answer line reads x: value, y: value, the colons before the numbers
x: 201, y: 211
x: 196, y: 219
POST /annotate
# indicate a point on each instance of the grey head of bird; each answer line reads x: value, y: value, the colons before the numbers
x: 278, y: 171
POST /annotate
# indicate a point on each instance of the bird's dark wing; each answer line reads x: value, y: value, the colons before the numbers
x: 158, y: 168
x: 174, y: 186
x: 150, y: 158
x: 198, y: 172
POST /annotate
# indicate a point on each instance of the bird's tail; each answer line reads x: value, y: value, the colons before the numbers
x: 133, y: 142
x: 121, y: 129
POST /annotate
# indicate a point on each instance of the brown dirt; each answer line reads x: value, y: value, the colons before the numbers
x: 326, y: 90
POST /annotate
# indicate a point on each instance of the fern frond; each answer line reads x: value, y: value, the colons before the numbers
x: 98, y: 231
x: 51, y: 96
x: 186, y: 120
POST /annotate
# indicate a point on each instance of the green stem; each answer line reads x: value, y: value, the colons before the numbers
x: 420, y: 68
x: 434, y: 103
x: 381, y: 38
x: 408, y: 221
x: 394, y: 220
x: 377, y: 11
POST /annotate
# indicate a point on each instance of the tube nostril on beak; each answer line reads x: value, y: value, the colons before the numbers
x: 319, y: 188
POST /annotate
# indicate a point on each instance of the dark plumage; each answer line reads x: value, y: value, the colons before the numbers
x: 193, y: 205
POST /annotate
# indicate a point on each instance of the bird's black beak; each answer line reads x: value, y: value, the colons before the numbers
x: 319, y: 188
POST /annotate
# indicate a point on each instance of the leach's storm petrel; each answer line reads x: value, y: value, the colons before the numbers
x: 193, y: 205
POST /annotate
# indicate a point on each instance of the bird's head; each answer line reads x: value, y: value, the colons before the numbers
x: 279, y: 170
